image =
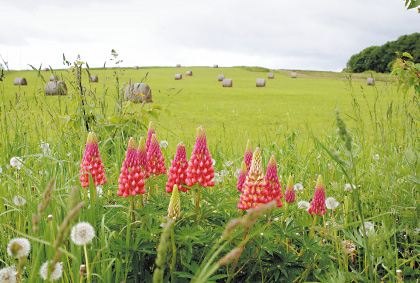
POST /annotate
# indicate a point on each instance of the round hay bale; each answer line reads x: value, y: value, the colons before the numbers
x: 136, y: 67
x: 139, y: 92
x: 56, y: 88
x: 293, y: 75
x: 20, y: 81
x: 220, y: 78
x: 260, y: 82
x: 215, y: 66
x: 227, y: 82
x: 178, y: 77
x: 370, y: 81
x: 188, y: 73
x: 54, y: 78
x: 178, y: 65
x: 93, y: 79
x: 46, y: 69
x: 270, y: 75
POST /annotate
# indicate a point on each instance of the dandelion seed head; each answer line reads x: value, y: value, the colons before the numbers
x: 376, y: 157
x: 348, y: 246
x: 56, y: 272
x: 331, y: 203
x: 369, y: 228
x: 298, y: 187
x: 349, y: 188
x: 303, y: 204
x: 8, y: 274
x: 19, y: 201
x: 82, y: 233
x: 164, y: 144
x: 16, y: 162
x: 18, y: 247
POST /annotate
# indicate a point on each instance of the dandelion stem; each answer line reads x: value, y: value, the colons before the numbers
x: 87, y: 264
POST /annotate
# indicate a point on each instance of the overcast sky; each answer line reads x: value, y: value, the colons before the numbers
x: 277, y: 34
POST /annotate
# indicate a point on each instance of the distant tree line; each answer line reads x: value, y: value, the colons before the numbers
x: 381, y: 58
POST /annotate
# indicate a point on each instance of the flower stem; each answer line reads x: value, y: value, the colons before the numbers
x: 197, y: 204
x: 173, y: 277
x: 133, y: 216
x: 87, y: 264
x: 311, y: 234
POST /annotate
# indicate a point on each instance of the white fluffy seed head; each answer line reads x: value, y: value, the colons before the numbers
x: 303, y: 204
x: 19, y: 201
x: 298, y: 188
x: 56, y: 272
x: 16, y: 162
x: 348, y: 246
x: 331, y: 203
x: 349, y: 187
x: 369, y: 228
x: 8, y: 274
x: 164, y: 144
x: 18, y: 247
x: 82, y: 233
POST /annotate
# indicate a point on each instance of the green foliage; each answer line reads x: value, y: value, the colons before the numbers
x: 380, y: 58
x: 411, y: 4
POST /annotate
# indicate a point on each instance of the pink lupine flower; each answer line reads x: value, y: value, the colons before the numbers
x: 272, y: 186
x: 142, y: 153
x: 248, y: 155
x: 200, y: 168
x: 242, y: 176
x: 155, y: 160
x: 92, y: 163
x: 253, y: 190
x: 131, y: 181
x: 150, y: 133
x: 289, y: 195
x: 177, y: 174
x: 318, y: 203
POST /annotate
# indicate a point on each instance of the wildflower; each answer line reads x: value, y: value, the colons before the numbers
x: 177, y: 174
x: 16, y: 162
x: 142, y: 155
x: 155, y: 160
x: 242, y: 176
x: 174, y: 209
x: 318, y: 202
x: 200, y: 168
x: 272, y: 184
x: 19, y: 201
x: 8, y: 274
x: 163, y: 144
x: 348, y: 246
x: 298, y: 188
x: 99, y: 192
x: 349, y: 188
x: 56, y: 271
x: 376, y: 157
x: 253, y: 191
x: 331, y: 203
x: 18, y: 247
x: 82, y: 233
x: 303, y: 204
x: 150, y: 132
x: 248, y: 155
x: 45, y: 148
x: 369, y: 228
x: 131, y: 180
x: 92, y: 163
x: 289, y: 195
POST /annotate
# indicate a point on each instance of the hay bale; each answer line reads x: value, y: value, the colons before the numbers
x: 93, y: 79
x: 54, y: 78
x: 270, y: 75
x: 227, y: 82
x: 220, y: 78
x: 136, y: 67
x: 178, y: 77
x: 293, y: 75
x: 188, y: 73
x: 139, y: 92
x: 215, y: 66
x: 178, y: 65
x: 56, y: 88
x: 260, y: 83
x: 370, y: 81
x: 20, y: 81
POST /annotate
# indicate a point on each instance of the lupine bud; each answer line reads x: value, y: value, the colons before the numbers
x: 177, y: 174
x: 174, y: 209
x: 318, y: 203
x: 248, y: 155
x: 289, y: 195
x: 150, y: 133
x: 272, y: 186
x: 92, y: 163
x: 254, y: 193
x: 142, y: 153
x: 242, y: 176
x: 200, y: 168
x: 155, y: 160
x: 131, y: 181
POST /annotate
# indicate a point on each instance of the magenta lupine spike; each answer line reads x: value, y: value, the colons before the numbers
x: 200, y: 168
x: 177, y: 174
x: 289, y: 195
x: 253, y: 194
x: 142, y: 153
x: 155, y: 160
x: 242, y: 176
x: 92, y: 163
x: 150, y: 133
x: 273, y: 187
x: 318, y: 203
x: 248, y: 155
x: 131, y: 181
